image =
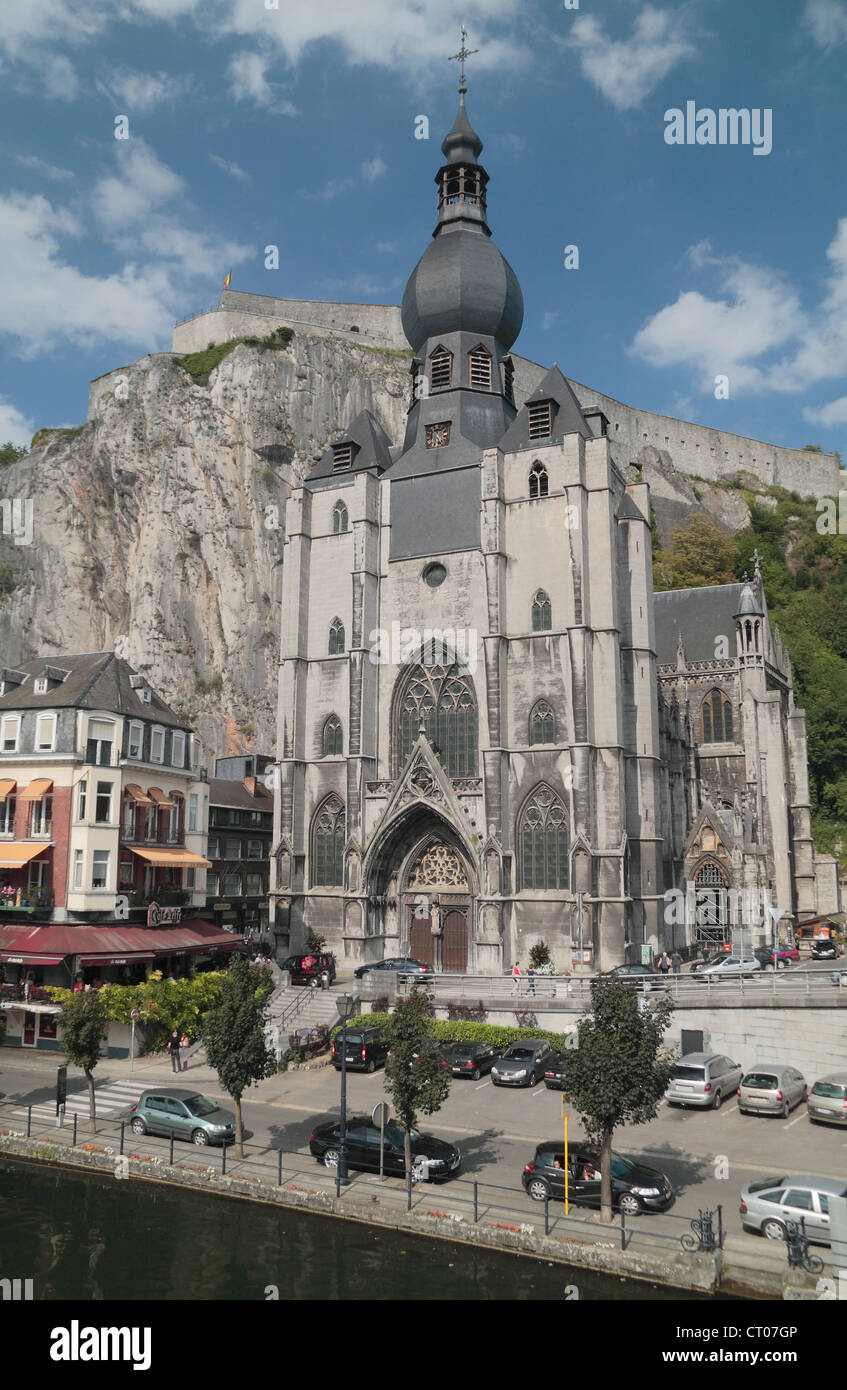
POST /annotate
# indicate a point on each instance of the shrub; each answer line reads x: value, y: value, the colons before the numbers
x: 473, y: 1013
x: 462, y: 1030
x: 7, y: 579
x: 539, y: 955
x: 10, y: 453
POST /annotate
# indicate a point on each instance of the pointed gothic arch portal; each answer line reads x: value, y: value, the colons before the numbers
x: 711, y: 904
x: 437, y: 907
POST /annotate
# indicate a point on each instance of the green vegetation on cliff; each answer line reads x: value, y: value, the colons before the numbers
x: 200, y: 365
x: 10, y: 453
x: 805, y: 577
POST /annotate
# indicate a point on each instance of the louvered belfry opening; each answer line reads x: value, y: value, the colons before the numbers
x: 480, y: 369
x: 440, y: 369
x: 540, y: 419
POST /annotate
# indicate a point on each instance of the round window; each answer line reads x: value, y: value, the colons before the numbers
x: 434, y: 575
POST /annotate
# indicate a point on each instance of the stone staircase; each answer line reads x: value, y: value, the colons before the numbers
x: 294, y: 1007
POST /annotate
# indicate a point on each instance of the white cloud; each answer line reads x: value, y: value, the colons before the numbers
x: 373, y: 169
x: 143, y: 181
x: 41, y: 166
x: 369, y: 171
x: 829, y: 415
x: 827, y: 20
x: 249, y: 82
x: 234, y: 170
x: 549, y: 319
x: 15, y: 427
x: 387, y: 248
x: 626, y: 71
x: 756, y: 330
x: 58, y: 76
x: 141, y: 92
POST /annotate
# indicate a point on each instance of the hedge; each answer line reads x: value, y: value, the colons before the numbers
x: 460, y: 1031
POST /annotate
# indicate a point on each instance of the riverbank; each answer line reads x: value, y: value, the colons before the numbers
x: 595, y: 1250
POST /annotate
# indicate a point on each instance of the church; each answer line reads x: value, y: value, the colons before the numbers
x: 491, y: 732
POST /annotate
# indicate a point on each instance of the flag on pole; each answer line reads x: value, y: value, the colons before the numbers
x: 228, y: 281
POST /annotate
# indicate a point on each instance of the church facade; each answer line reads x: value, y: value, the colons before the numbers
x: 478, y: 747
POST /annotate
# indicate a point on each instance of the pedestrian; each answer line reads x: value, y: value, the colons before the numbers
x: 173, y: 1049
x: 530, y: 975
x: 184, y: 1046
x: 516, y: 977
x: 676, y: 961
x: 664, y: 963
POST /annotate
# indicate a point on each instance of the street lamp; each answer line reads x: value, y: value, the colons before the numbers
x: 346, y: 1005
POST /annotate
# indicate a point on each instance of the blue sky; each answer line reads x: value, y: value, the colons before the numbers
x: 251, y: 125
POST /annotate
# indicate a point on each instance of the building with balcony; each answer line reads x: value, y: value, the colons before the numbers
x: 239, y: 846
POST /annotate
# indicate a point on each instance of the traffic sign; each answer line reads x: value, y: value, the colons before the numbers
x: 134, y: 1015
x: 381, y: 1114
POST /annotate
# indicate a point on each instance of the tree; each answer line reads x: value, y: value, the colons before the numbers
x: 617, y: 1074
x: 699, y: 552
x: 10, y: 453
x: 539, y: 955
x: 234, y: 1034
x: 83, y: 1027
x: 413, y: 1083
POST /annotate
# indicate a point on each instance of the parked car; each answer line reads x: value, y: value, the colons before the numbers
x: 522, y: 1064
x: 703, y: 1079
x: 553, y: 1076
x: 404, y: 965
x: 635, y: 1187
x: 432, y: 1159
x: 184, y: 1114
x: 771, y: 1088
x: 641, y: 976
x: 776, y: 956
x: 828, y: 1099
x: 471, y: 1059
x: 768, y: 1203
x: 366, y: 1049
x: 307, y: 969
x: 823, y: 949
x: 698, y: 965
x: 727, y: 966
x: 426, y: 1045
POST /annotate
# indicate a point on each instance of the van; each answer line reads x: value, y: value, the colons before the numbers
x: 704, y: 1079
x: 308, y: 968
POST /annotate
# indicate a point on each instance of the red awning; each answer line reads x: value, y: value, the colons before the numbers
x: 112, y: 944
x: 30, y: 960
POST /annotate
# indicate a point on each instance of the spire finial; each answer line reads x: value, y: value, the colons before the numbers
x: 757, y: 573
x: 462, y: 54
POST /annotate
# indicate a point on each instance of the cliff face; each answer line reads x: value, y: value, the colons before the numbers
x: 155, y: 532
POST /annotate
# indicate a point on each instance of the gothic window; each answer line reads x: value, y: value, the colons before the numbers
x: 542, y: 618
x: 543, y: 841
x: 339, y: 519
x: 440, y: 369
x: 716, y: 718
x: 438, y: 435
x: 538, y: 480
x: 336, y: 637
x: 332, y: 742
x: 439, y: 866
x: 480, y: 368
x: 542, y: 725
x: 540, y: 419
x: 328, y: 844
x: 711, y: 903
x: 441, y: 700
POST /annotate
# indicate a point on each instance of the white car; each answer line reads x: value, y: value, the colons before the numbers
x: 730, y: 966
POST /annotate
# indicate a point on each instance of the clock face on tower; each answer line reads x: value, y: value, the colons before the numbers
x: 437, y: 435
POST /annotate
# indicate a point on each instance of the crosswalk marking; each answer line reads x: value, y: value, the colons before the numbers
x: 111, y: 1099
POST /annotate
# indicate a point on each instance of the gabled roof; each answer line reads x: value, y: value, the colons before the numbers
x: 568, y: 417
x: 96, y: 680
x: 373, y: 450
x: 225, y: 791
x: 701, y: 616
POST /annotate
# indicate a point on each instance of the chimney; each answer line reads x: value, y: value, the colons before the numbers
x: 252, y: 785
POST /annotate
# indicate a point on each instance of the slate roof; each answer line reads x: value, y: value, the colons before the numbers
x: 224, y: 791
x: 373, y: 451
x: 568, y: 417
x: 97, y: 680
x: 701, y: 615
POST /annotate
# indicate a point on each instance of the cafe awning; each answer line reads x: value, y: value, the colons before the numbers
x: 7, y: 786
x: 159, y: 797
x: 12, y: 856
x: 39, y: 787
x: 137, y: 794
x: 173, y: 858
x: 110, y: 945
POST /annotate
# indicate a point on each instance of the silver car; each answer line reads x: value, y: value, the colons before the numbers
x: 828, y: 1099
x: 727, y: 967
x: 703, y: 1078
x: 768, y: 1203
x: 771, y: 1088
x: 522, y: 1064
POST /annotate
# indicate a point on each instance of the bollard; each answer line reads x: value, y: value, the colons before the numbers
x: 546, y: 1213
x: 171, y: 1160
x: 409, y: 1190
x: 28, y: 1121
x: 76, y: 1117
x: 338, y: 1182
x: 623, y: 1230
x: 475, y: 1200
x: 123, y: 1127
x: 279, y: 1167
x: 223, y: 1157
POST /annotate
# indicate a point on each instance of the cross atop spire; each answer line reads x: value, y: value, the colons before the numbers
x: 462, y: 54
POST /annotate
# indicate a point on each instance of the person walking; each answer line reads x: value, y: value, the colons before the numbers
x: 664, y: 963
x: 173, y: 1049
x: 184, y: 1045
x: 676, y: 962
x: 530, y: 975
x: 516, y: 977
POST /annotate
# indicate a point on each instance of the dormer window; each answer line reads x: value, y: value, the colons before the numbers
x: 342, y: 456
x: 480, y: 368
x: 41, y: 685
x: 145, y: 695
x: 440, y: 369
x: 540, y: 419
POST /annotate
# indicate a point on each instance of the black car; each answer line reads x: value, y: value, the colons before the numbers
x: 404, y: 965
x: 432, y: 1159
x: 471, y: 1059
x: 307, y: 969
x: 643, y: 977
x: 426, y: 1046
x: 366, y: 1050
x: 825, y: 950
x: 554, y: 1078
x: 635, y: 1187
